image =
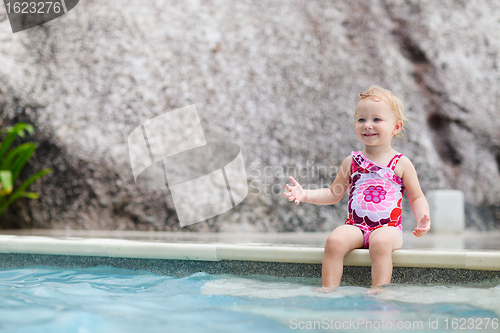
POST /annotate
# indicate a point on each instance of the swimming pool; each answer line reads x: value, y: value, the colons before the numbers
x: 106, y: 299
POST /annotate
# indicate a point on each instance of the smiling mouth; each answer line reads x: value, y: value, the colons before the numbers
x: 370, y: 134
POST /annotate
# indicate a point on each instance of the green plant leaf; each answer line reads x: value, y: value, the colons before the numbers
x: 13, y: 154
x: 6, y: 180
x: 29, y: 129
x: 11, y: 135
x: 17, y: 194
x: 21, y: 161
x: 30, y: 195
x: 12, y: 162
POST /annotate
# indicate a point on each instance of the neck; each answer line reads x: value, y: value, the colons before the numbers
x: 378, y: 150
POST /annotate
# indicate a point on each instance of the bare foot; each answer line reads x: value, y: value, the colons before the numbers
x: 325, y: 290
x: 375, y: 290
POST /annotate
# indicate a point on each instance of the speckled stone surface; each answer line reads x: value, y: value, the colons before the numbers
x: 353, y: 275
x: 257, y: 71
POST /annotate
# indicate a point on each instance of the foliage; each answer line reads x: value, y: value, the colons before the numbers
x: 12, y: 162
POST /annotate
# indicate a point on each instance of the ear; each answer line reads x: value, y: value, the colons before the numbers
x: 398, y: 127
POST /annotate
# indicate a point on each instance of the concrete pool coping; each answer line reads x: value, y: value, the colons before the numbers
x: 468, y: 240
x: 63, y: 244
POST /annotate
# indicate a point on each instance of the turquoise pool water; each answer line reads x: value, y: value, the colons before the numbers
x: 105, y: 299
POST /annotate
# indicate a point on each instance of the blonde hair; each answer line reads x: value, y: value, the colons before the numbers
x: 378, y: 94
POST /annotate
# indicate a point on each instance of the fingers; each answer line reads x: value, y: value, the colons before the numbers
x: 289, y: 194
x: 423, y: 225
x: 418, y: 232
x: 291, y: 197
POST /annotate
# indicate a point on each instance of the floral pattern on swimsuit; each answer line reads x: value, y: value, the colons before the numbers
x: 376, y: 194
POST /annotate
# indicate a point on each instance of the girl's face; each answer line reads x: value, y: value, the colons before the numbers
x: 376, y: 123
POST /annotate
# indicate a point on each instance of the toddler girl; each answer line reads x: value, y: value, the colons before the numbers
x: 377, y: 178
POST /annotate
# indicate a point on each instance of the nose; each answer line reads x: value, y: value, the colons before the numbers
x: 368, y: 125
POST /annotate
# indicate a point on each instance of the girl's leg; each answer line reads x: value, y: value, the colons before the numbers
x: 342, y: 240
x: 382, y: 242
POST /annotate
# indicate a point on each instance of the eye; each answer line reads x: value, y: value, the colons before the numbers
x: 361, y: 120
x: 377, y: 119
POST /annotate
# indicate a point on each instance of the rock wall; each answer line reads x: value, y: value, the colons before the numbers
x: 279, y: 78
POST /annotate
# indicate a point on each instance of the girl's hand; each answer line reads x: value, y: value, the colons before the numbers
x: 295, y: 193
x: 423, y: 225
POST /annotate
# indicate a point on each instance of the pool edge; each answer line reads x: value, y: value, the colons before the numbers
x: 119, y: 248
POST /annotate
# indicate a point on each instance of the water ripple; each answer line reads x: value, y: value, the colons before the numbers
x: 105, y: 299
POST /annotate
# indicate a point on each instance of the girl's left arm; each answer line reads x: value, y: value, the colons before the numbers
x: 417, y: 199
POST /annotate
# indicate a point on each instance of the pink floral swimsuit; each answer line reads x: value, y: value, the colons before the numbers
x: 375, y: 196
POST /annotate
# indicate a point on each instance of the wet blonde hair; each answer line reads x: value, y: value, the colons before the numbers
x: 378, y: 94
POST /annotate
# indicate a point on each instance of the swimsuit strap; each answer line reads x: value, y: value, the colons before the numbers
x: 394, y: 161
x: 354, y: 165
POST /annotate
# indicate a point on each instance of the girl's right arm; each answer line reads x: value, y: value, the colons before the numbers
x: 323, y: 196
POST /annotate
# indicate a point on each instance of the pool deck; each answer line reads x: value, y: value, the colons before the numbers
x: 471, y: 250
x: 470, y: 253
